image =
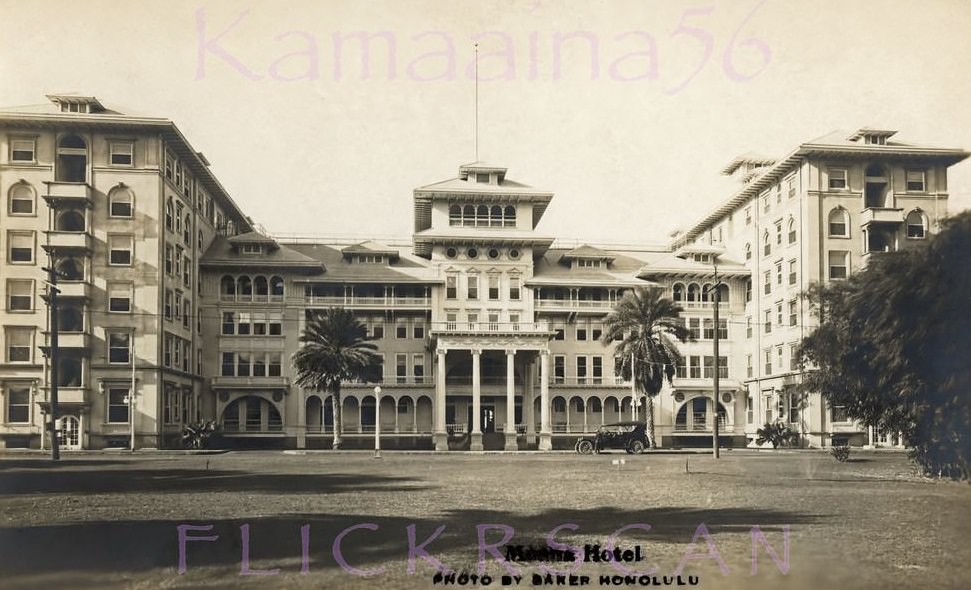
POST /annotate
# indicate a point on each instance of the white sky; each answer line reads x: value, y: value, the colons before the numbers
x: 629, y: 161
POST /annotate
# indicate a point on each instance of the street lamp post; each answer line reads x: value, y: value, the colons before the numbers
x: 377, y: 421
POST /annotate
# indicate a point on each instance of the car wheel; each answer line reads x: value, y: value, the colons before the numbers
x: 636, y: 447
x: 584, y: 447
x: 628, y: 451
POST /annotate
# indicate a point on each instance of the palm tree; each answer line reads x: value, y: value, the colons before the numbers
x: 646, y: 326
x: 335, y: 349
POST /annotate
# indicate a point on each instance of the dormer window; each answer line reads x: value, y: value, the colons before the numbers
x: 483, y: 178
x: 251, y: 248
x: 705, y: 258
x: 74, y: 107
x: 875, y: 139
x: 584, y: 263
x: 370, y: 258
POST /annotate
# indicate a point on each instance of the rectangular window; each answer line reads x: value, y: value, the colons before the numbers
x: 778, y: 313
x: 186, y: 272
x: 120, y: 249
x: 242, y: 364
x: 749, y: 410
x: 401, y: 368
x: 838, y: 414
x: 768, y: 362
x: 792, y: 272
x: 723, y: 329
x: 581, y: 332
x: 748, y: 216
x: 418, y: 367
x: 18, y: 405
x: 274, y: 364
x: 559, y: 368
x: 377, y: 328
x: 451, y: 290
x: 168, y: 259
x: 791, y: 187
x: 472, y: 284
x: 20, y: 247
x: 229, y: 364
x: 748, y: 366
x: 768, y: 322
x: 748, y: 327
x: 119, y: 348
x: 767, y: 284
x: 19, y: 344
x: 401, y: 329
x: 245, y: 324
x: 581, y: 370
x: 177, y: 271
x: 793, y: 316
x: 793, y: 360
x: 778, y: 233
x: 168, y: 304
x: 514, y: 291
x: 559, y: 333
x: 838, y: 264
x: 837, y: 179
x: 229, y: 323
x: 22, y: 150
x: 709, y: 329
x: 186, y: 313
x: 494, y: 287
x: 122, y: 153
x: 274, y: 323
x: 259, y: 365
x: 766, y: 204
x: 694, y: 328
x: 794, y: 405
x: 694, y: 367
x: 778, y: 273
x: 418, y: 329
x: 117, y: 405
x: 916, y: 181
x: 598, y: 369
x: 778, y: 358
x: 20, y: 295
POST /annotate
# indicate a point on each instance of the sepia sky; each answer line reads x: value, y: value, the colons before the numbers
x: 626, y: 109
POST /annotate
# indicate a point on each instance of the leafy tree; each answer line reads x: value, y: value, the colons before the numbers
x: 894, y: 343
x: 646, y: 326
x: 335, y: 349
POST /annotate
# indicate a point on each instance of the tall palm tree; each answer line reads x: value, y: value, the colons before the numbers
x: 335, y: 349
x: 646, y: 325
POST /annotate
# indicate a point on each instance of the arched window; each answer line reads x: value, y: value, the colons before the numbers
x: 839, y: 225
x: 706, y: 292
x: 482, y: 215
x: 187, y: 230
x: 678, y: 292
x: 468, y: 215
x: 509, y: 214
x: 766, y: 245
x: 244, y: 288
x: 227, y: 287
x: 495, y: 216
x: 21, y: 199
x: 748, y: 290
x: 72, y: 159
x: 261, y: 288
x: 748, y: 251
x: 201, y: 240
x: 792, y: 230
x: 276, y: 287
x: 70, y: 220
x: 169, y: 214
x: 70, y: 269
x: 120, y: 202
x: 723, y: 293
x: 916, y: 224
x: 455, y: 215
x: 694, y: 292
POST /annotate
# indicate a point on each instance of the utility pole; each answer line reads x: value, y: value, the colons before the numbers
x: 52, y: 292
x: 717, y: 299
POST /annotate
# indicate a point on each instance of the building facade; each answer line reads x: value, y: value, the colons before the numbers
x: 490, y: 332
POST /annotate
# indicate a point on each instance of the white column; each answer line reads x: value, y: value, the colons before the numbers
x: 528, y: 418
x: 545, y: 434
x: 441, y: 437
x: 511, y: 444
x: 476, y: 401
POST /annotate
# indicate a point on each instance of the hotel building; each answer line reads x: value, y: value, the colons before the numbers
x: 174, y: 307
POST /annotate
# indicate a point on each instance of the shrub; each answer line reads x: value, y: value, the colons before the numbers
x: 840, y: 452
x: 775, y: 433
x: 197, y: 436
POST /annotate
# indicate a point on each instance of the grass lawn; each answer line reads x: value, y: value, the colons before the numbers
x: 110, y: 521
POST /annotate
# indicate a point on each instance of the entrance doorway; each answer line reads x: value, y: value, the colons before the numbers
x: 69, y: 433
x: 487, y: 418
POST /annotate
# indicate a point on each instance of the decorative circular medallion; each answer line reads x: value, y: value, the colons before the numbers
x: 224, y: 396
x: 277, y: 396
x: 472, y: 253
x: 727, y: 397
x: 514, y: 254
x: 451, y: 253
x: 493, y: 253
x: 679, y: 397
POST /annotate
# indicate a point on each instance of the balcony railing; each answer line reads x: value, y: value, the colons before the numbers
x: 574, y: 304
x: 68, y: 240
x: 275, y: 382
x: 252, y: 428
x: 251, y: 298
x: 491, y: 327
x: 881, y: 215
x: 361, y: 301
x: 574, y: 381
x: 68, y: 190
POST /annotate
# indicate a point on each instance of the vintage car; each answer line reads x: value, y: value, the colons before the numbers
x: 630, y: 436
